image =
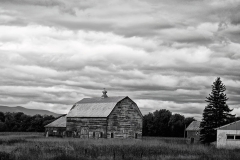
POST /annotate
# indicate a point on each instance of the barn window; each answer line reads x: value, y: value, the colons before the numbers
x: 237, y: 137
x: 112, y: 135
x: 93, y: 134
x: 230, y: 136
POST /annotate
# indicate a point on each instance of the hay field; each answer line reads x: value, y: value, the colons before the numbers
x: 33, y: 146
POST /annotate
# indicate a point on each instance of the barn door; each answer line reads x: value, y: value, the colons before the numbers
x: 97, y: 135
x: 112, y: 135
x: 84, y: 132
x: 77, y: 132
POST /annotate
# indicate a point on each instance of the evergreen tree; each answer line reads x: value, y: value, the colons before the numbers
x: 216, y: 113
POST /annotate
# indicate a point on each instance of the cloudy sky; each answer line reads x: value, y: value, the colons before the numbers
x: 164, y: 54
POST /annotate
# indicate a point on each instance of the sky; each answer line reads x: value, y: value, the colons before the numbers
x: 163, y: 54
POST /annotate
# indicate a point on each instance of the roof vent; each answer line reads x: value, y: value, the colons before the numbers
x: 104, y: 93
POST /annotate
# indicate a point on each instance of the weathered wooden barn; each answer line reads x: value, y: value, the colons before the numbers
x: 228, y: 136
x: 57, y: 127
x: 105, y: 117
x: 193, y: 131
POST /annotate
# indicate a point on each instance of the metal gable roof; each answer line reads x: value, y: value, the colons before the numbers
x: 60, y: 122
x: 194, y: 126
x: 231, y: 126
x: 94, y: 107
x: 102, y: 100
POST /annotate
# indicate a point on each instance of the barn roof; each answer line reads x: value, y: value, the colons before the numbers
x: 94, y: 107
x: 194, y: 126
x: 231, y: 126
x: 60, y: 122
x: 102, y: 100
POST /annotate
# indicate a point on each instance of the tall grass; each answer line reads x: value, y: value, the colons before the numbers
x: 40, y: 148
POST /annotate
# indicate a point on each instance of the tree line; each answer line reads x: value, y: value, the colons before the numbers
x: 159, y: 123
x: 20, y: 122
x: 162, y: 123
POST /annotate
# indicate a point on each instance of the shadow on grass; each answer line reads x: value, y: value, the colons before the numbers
x: 6, y: 156
x: 11, y: 141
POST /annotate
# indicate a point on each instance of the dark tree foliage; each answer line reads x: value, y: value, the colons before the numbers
x: 188, y: 120
x: 148, y: 124
x: 161, y: 127
x: 20, y: 122
x: 177, y: 125
x: 162, y: 123
x: 2, y: 117
x: 216, y: 113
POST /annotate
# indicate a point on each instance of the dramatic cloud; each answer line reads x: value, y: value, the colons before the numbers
x: 162, y: 54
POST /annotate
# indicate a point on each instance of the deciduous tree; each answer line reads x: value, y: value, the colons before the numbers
x: 176, y: 124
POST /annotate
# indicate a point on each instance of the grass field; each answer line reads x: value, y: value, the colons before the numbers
x: 33, y: 146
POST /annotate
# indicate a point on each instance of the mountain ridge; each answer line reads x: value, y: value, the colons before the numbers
x: 27, y: 111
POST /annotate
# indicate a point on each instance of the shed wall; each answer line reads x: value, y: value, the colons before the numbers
x: 125, y: 121
x: 193, y: 134
x: 222, y: 140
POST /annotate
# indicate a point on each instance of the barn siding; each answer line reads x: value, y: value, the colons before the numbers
x: 55, y: 131
x: 87, y: 127
x: 125, y: 120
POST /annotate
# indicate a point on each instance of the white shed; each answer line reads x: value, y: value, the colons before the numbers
x: 228, y: 136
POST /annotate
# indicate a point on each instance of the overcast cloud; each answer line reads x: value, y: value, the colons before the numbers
x: 162, y: 54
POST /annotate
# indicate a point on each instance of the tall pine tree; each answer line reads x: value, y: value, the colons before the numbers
x: 216, y: 113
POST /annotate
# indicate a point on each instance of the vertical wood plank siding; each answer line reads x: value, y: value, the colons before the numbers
x: 125, y: 121
x: 87, y: 127
x: 55, y: 131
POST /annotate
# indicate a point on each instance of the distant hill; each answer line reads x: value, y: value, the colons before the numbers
x: 27, y: 111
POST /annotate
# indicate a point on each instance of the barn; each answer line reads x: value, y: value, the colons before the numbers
x: 228, y: 136
x: 57, y: 127
x: 104, y: 117
x: 193, y: 131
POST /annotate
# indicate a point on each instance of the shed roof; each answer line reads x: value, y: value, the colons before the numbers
x: 231, y: 126
x: 94, y: 107
x: 194, y: 126
x: 60, y: 122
